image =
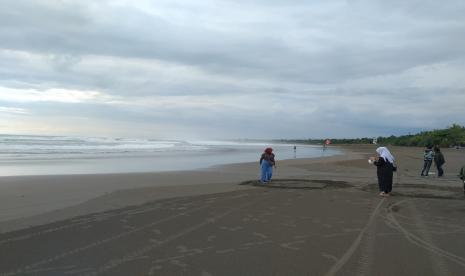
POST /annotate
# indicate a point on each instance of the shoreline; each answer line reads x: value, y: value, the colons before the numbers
x: 27, y: 201
x: 32, y: 200
x: 144, y: 162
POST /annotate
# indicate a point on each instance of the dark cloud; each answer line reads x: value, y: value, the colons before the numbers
x: 356, y: 41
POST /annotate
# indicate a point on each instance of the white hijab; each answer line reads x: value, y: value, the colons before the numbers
x: 385, y: 154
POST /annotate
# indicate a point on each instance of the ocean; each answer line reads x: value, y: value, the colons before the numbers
x: 46, y: 155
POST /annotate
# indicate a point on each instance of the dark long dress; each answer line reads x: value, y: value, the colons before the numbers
x: 439, y: 161
x: 385, y: 175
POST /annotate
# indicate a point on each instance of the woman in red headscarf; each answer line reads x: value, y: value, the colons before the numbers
x: 266, y: 165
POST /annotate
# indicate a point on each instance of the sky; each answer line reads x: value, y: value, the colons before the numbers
x: 173, y: 69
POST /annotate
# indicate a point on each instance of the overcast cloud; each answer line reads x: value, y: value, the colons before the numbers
x: 231, y: 69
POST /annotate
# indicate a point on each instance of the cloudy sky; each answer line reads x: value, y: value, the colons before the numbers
x: 231, y: 68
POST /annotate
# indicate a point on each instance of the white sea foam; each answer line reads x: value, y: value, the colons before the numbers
x: 33, y: 155
x: 228, y: 143
x: 33, y: 144
x: 23, y: 144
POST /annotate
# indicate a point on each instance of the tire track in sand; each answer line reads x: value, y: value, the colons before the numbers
x: 356, y: 243
x: 426, y: 242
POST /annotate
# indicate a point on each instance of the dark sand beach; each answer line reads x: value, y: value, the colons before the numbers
x: 320, y: 217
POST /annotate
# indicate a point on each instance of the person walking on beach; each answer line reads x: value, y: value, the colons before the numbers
x: 385, y: 168
x: 428, y: 157
x: 439, y: 160
x: 267, y: 163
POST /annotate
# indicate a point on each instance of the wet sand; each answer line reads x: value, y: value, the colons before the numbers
x: 322, y: 217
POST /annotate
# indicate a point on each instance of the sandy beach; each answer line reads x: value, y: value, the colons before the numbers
x: 321, y: 216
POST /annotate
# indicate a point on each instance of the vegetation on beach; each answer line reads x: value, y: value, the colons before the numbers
x: 452, y: 136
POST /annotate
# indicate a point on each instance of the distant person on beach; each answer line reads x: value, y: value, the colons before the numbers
x: 428, y: 157
x: 385, y: 168
x: 462, y: 176
x: 267, y: 163
x: 439, y: 160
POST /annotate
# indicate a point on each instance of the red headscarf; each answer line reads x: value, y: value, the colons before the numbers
x: 269, y: 150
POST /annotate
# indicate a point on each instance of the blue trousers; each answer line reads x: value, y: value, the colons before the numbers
x: 266, y: 171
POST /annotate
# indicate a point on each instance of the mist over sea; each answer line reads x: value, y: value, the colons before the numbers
x: 45, y: 155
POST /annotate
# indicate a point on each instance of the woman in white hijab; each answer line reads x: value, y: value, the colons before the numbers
x: 385, y: 168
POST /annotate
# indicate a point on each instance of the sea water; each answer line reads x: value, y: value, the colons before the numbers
x: 45, y: 155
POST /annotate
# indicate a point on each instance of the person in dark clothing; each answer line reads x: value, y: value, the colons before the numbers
x: 428, y: 157
x: 385, y: 168
x: 267, y: 163
x: 439, y: 160
x: 462, y: 176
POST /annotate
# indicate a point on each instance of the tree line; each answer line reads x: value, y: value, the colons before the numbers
x: 448, y: 137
